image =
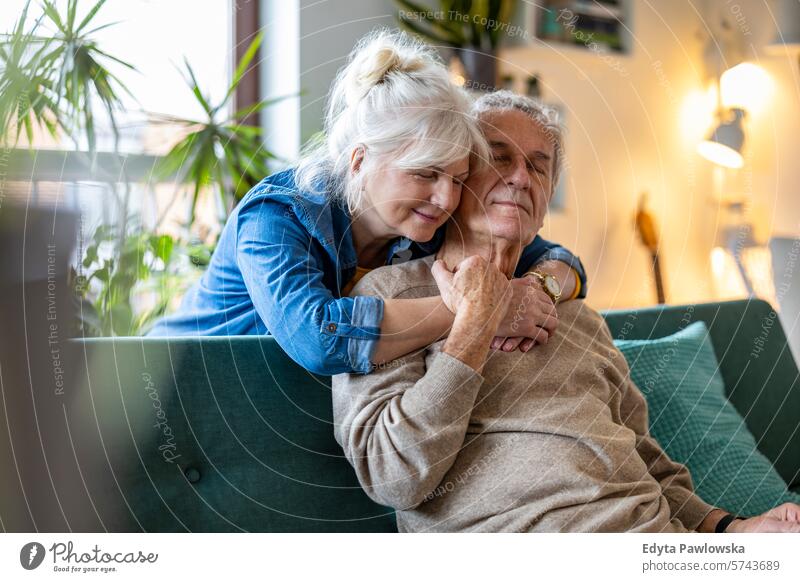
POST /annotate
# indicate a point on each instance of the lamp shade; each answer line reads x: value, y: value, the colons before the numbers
x: 746, y: 86
x: 724, y: 145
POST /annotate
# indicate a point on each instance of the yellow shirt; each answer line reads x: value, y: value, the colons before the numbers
x: 360, y: 272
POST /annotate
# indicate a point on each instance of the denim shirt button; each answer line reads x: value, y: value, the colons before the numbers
x: 331, y: 327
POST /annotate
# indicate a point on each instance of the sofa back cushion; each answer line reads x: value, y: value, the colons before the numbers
x: 220, y: 434
x: 696, y: 425
x: 228, y: 434
x: 760, y: 375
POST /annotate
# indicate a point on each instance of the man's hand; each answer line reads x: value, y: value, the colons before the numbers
x: 531, y: 318
x: 782, y: 519
x: 480, y: 295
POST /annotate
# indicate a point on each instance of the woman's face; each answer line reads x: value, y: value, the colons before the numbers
x: 412, y: 203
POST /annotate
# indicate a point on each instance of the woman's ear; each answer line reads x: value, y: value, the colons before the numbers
x: 356, y: 159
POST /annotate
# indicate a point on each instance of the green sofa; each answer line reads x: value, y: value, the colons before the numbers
x: 228, y: 434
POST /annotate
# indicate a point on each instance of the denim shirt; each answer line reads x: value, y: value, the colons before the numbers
x: 279, y: 267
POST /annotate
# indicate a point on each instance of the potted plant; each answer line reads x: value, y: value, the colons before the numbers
x: 472, y: 28
x: 50, y: 72
x: 220, y: 150
x: 50, y: 79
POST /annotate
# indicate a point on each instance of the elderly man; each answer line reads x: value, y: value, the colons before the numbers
x: 460, y: 438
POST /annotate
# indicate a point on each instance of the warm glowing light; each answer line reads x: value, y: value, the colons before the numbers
x: 757, y: 262
x: 745, y: 86
x: 726, y: 279
x: 720, y: 154
x: 697, y: 112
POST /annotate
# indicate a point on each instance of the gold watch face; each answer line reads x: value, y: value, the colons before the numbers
x: 552, y: 285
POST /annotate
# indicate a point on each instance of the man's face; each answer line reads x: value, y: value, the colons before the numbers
x: 509, y: 198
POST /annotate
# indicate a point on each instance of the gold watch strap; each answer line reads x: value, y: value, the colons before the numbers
x: 541, y: 277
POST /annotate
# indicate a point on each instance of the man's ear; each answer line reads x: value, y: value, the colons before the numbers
x: 357, y: 158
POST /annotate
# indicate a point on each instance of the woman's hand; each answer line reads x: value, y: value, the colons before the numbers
x: 531, y: 319
x: 784, y: 518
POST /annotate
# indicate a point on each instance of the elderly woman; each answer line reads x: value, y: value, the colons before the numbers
x: 460, y: 439
x: 397, y: 146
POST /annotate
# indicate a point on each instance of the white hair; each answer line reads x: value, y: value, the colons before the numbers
x: 544, y: 116
x: 394, y: 98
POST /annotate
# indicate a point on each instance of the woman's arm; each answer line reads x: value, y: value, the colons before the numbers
x: 558, y: 261
x: 285, y: 279
x: 409, y: 324
x: 324, y: 334
x: 566, y: 276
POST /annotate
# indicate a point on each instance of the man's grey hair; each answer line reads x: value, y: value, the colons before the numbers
x: 546, y: 117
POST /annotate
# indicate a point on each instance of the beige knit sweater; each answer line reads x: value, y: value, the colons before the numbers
x: 551, y: 440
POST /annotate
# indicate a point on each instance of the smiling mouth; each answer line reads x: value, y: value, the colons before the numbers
x: 511, y: 205
x: 426, y: 217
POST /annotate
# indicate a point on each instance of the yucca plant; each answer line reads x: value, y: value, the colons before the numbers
x: 27, y: 95
x: 50, y: 75
x: 220, y: 150
x: 77, y: 63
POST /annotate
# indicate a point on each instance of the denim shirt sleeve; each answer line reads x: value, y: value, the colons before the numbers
x: 541, y: 250
x: 283, y: 274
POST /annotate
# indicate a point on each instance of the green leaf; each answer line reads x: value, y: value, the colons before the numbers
x: 427, y: 34
x: 200, y: 255
x: 90, y: 256
x: 112, y: 57
x: 451, y: 29
x: 162, y: 247
x: 256, y: 107
x: 52, y: 13
x: 89, y: 16
x: 241, y: 68
x: 101, y: 274
x: 121, y: 317
x: 72, y: 8
x: 196, y: 89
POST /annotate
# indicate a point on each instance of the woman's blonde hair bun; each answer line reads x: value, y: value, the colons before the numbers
x: 395, y: 99
x: 382, y: 56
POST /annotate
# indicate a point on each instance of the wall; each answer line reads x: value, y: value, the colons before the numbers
x: 633, y: 125
x: 627, y: 134
x: 306, y: 42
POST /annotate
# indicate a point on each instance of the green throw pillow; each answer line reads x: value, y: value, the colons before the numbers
x: 696, y: 425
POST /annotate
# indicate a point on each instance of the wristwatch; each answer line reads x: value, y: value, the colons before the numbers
x: 723, y: 523
x: 550, y: 284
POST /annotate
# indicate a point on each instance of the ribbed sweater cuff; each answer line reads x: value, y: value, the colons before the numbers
x: 451, y: 375
x: 692, y: 511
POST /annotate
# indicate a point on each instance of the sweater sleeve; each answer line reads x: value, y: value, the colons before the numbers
x: 402, y: 426
x: 674, y: 478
